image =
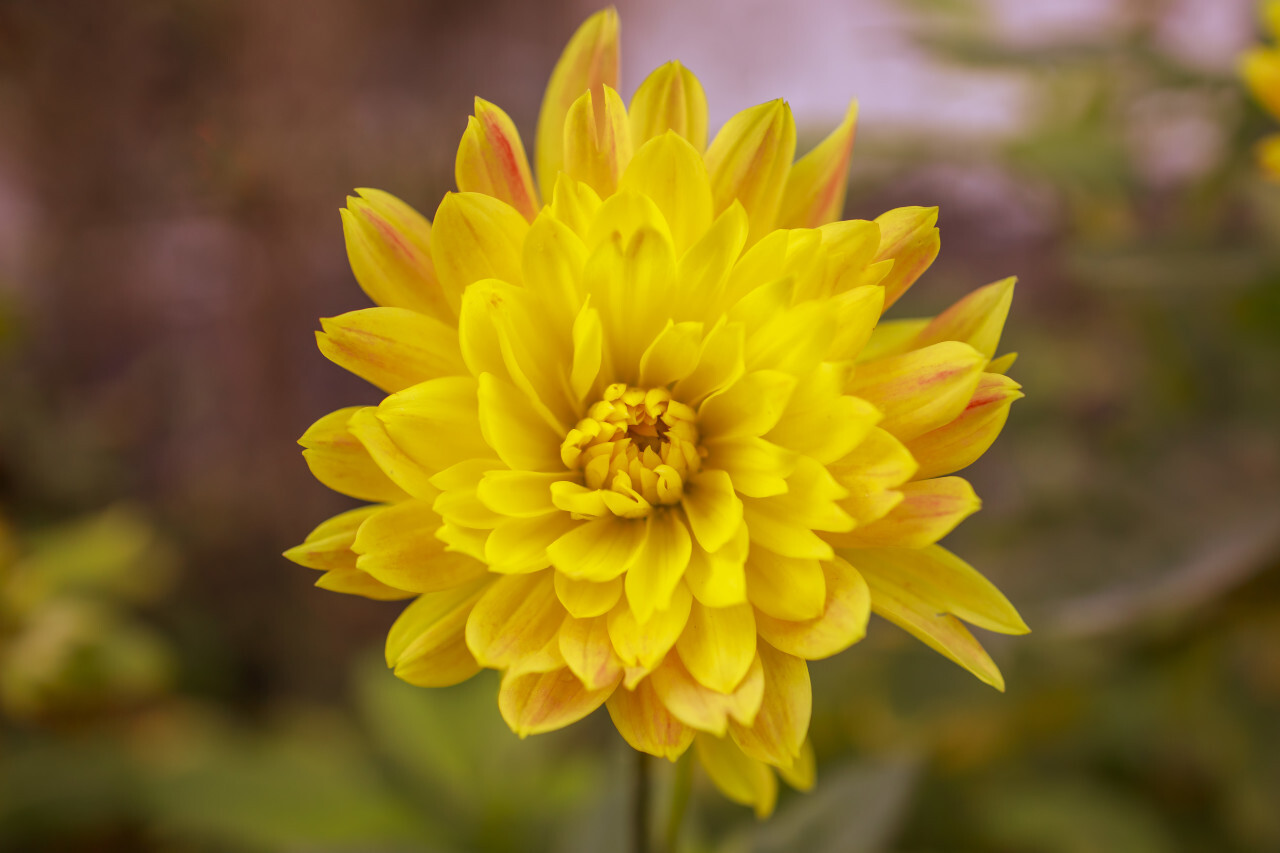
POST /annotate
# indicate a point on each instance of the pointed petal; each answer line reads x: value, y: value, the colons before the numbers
x: 670, y: 171
x: 740, y: 778
x: 653, y: 575
x: 820, y: 420
x: 842, y: 623
x: 872, y: 473
x: 491, y: 160
x: 539, y: 702
x: 338, y: 459
x: 749, y: 160
x: 598, y: 550
x: 782, y: 724
x: 398, y: 546
x: 816, y: 186
x: 977, y: 319
x: 920, y: 390
x: 704, y: 268
x: 551, y: 263
x: 646, y: 724
x: 908, y: 236
x: 588, y: 651
x: 597, y: 141
x: 391, y: 347
x: 585, y: 599
x: 930, y: 509
x: 718, y: 645
x: 672, y: 356
x: 515, y: 625
x: 476, y: 236
x: 959, y: 443
x: 718, y: 579
x: 703, y: 708
x: 720, y: 363
x: 389, y: 247
x: 671, y: 98
x: 712, y: 507
x: 946, y: 583
x: 435, y: 424
x: 328, y: 549
x: 426, y: 646
x: 643, y: 646
x: 589, y: 62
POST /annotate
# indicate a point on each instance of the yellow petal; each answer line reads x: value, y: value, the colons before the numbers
x: 750, y: 407
x: 820, y: 420
x: 646, y: 724
x: 788, y: 588
x: 749, y: 161
x: 842, y: 623
x: 892, y: 337
x: 491, y: 160
x: 630, y: 282
x: 704, y: 269
x: 338, y: 459
x: 1260, y: 68
x: 702, y: 708
x: 597, y: 140
x: 520, y: 545
x: 718, y: 579
x: 519, y: 494
x: 816, y: 186
x: 588, y: 353
x: 960, y: 442
x: 872, y: 473
x: 512, y: 427
x: 585, y: 599
x: 920, y: 390
x: 977, y: 319
x: 794, y: 340
x: 588, y: 651
x: 476, y: 236
x: 389, y: 246
x: 658, y: 566
x: 391, y: 347
x: 1268, y: 153
x: 328, y: 549
x: 713, y: 509
x: 435, y: 424
x: 539, y: 702
x: 426, y: 645
x: 457, y: 502
x: 785, y: 523
x: 598, y: 550
x: 515, y: 625
x: 551, y: 263
x: 574, y: 204
x: 758, y: 468
x: 944, y: 582
x: 671, y: 98
x: 782, y: 724
x: 589, y: 61
x: 930, y: 509
x: 643, y: 646
x: 398, y: 546
x: 672, y: 356
x: 718, y: 645
x: 856, y: 311
x: 802, y: 774
x: 720, y: 364
x: 740, y: 778
x: 909, y: 237
x: 794, y: 255
x: 670, y: 171
x: 1002, y: 364
x: 937, y: 629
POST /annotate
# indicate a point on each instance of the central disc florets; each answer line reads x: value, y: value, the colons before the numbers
x: 636, y: 442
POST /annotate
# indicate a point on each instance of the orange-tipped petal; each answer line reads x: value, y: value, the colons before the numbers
x: 908, y: 237
x: 391, y: 347
x: 671, y: 98
x: 533, y: 703
x: 816, y: 186
x: 930, y: 509
x: 646, y: 724
x: 589, y: 62
x: 388, y: 246
x: 491, y: 160
x: 977, y: 319
x: 749, y: 161
x: 597, y: 141
x: 959, y: 443
x: 920, y: 390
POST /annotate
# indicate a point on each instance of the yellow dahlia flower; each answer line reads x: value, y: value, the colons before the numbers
x: 645, y: 444
x: 1260, y: 68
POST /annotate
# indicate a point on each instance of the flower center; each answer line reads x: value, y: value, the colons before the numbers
x: 635, y: 441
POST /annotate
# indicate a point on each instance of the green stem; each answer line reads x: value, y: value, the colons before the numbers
x: 680, y: 789
x: 640, y: 806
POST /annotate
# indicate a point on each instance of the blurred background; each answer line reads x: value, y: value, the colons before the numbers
x: 170, y: 174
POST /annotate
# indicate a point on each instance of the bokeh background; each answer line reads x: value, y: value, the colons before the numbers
x: 170, y: 174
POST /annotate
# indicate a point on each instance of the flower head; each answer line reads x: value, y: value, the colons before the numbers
x: 647, y: 444
x: 1260, y: 68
